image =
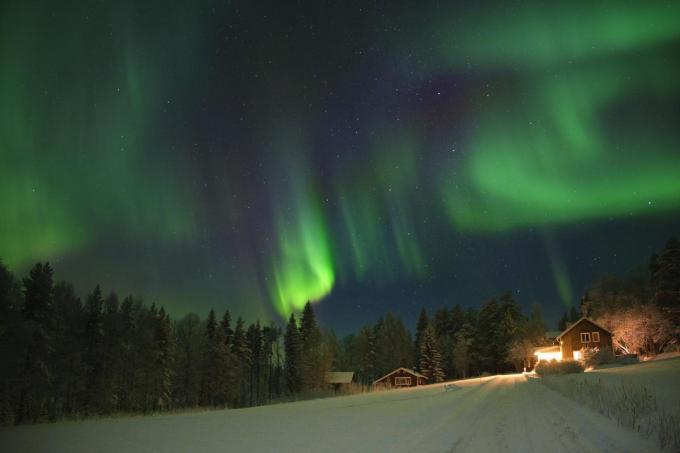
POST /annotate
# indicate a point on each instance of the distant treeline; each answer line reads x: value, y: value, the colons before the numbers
x: 65, y: 358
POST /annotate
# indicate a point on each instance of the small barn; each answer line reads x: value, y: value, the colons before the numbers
x: 402, y: 377
x: 584, y: 333
x: 339, y: 380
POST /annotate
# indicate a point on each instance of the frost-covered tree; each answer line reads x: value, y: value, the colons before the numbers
x: 421, y: 327
x: 430, y: 358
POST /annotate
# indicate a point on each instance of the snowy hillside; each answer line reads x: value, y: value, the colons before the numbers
x: 502, y: 413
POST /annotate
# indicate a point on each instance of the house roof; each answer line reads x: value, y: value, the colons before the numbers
x: 408, y: 370
x: 579, y: 322
x: 339, y: 377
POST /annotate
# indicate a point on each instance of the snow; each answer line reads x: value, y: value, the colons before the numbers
x: 661, y: 377
x: 497, y: 413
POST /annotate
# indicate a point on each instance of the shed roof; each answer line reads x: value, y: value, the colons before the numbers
x: 408, y: 370
x: 579, y: 322
x: 339, y: 377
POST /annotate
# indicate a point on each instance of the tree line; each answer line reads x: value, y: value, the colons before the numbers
x: 67, y: 357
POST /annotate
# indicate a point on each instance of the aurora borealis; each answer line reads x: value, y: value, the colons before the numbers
x: 365, y: 156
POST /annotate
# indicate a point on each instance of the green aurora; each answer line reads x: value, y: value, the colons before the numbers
x: 123, y: 127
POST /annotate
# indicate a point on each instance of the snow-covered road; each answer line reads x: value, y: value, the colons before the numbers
x: 501, y: 413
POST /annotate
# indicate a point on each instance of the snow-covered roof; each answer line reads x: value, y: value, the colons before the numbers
x: 579, y: 322
x: 408, y: 370
x: 339, y: 377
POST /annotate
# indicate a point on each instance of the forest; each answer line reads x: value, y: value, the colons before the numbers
x: 64, y: 357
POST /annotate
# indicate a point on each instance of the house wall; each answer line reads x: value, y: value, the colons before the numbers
x: 390, y: 380
x: 572, y: 340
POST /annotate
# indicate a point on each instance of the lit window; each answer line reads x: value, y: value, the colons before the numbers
x: 585, y: 337
x: 402, y: 381
x: 596, y: 337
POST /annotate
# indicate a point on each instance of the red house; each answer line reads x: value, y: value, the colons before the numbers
x: 402, y: 377
x: 584, y: 333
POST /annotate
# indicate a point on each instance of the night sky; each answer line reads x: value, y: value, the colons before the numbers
x: 363, y: 155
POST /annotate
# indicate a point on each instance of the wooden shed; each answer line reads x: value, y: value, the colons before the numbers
x: 584, y: 333
x: 339, y: 379
x: 402, y: 377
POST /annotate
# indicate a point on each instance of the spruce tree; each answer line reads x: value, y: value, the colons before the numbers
x: 292, y: 365
x: 243, y: 356
x: 37, y: 313
x: 367, y: 355
x: 254, y: 340
x: 68, y: 373
x: 666, y: 278
x: 95, y: 398
x: 430, y: 364
x: 209, y: 375
x: 163, y: 362
x: 189, y: 347
x: 485, y: 346
x: 421, y: 326
x: 227, y: 331
x: 310, y: 346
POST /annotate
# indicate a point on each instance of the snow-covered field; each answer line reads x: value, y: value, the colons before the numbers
x: 498, y: 413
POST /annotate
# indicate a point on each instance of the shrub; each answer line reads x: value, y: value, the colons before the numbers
x: 545, y: 368
x: 592, y: 357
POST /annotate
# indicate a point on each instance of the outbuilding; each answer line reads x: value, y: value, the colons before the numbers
x: 339, y: 380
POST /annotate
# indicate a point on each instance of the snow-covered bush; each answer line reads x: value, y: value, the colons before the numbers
x: 545, y: 368
x: 592, y: 357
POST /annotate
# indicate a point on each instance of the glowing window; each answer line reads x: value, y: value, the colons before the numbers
x: 585, y: 337
x: 402, y: 381
x: 596, y: 337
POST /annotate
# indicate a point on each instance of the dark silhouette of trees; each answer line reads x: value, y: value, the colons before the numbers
x: 293, y: 372
x: 63, y: 357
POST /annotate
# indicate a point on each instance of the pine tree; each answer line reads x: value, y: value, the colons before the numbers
x: 430, y: 357
x: 367, y: 355
x: 189, y: 347
x: 270, y: 335
x: 292, y: 347
x: 394, y: 347
x: 68, y: 373
x: 254, y: 339
x: 462, y: 351
x: 163, y: 362
x: 421, y: 327
x: 94, y: 353
x: 209, y: 374
x: 485, y: 344
x: 666, y: 280
x: 37, y: 313
x: 310, y: 345
x: 227, y: 331
x: 243, y: 356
